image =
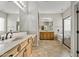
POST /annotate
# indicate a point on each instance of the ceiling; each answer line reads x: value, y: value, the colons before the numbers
x: 53, y: 6
x: 43, y: 6
x: 9, y: 7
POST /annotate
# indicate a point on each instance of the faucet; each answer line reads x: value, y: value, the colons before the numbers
x: 8, y: 33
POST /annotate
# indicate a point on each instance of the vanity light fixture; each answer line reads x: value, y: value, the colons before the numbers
x: 20, y: 4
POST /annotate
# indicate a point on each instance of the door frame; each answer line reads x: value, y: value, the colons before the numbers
x: 63, y: 31
x: 74, y: 29
x: 77, y: 14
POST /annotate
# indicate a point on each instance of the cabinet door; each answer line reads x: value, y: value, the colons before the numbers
x: 35, y: 40
x: 48, y: 35
x: 21, y: 53
x: 30, y: 40
x: 41, y: 35
x: 25, y: 53
x: 52, y: 35
x: 28, y: 49
x: 11, y: 52
x: 23, y: 44
x: 45, y: 35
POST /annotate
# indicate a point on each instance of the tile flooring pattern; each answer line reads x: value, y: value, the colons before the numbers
x: 50, y: 48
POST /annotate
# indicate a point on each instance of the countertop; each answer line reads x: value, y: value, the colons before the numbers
x: 7, y: 46
x: 46, y: 31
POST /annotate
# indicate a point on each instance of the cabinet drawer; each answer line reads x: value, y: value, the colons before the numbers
x: 30, y: 40
x: 11, y: 52
x: 23, y: 44
x: 29, y: 50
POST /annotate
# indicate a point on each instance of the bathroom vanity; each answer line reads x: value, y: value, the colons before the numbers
x: 21, y: 47
x: 47, y: 35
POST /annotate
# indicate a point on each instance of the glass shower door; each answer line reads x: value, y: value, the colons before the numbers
x: 67, y: 32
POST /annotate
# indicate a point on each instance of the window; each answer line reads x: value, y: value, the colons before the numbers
x: 2, y: 24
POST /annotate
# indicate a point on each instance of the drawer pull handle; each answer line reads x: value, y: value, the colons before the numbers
x: 11, y: 55
x: 18, y: 49
x: 25, y: 50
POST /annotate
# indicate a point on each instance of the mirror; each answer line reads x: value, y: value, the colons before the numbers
x: 9, y: 17
x: 47, y: 26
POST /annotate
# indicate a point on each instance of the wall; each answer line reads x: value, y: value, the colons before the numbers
x: 48, y: 26
x: 11, y: 22
x: 57, y: 23
x: 67, y: 12
x: 74, y: 29
x: 23, y: 21
x: 4, y: 15
x: 29, y: 20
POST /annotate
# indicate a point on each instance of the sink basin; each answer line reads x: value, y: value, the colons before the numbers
x: 11, y: 39
x: 6, y: 40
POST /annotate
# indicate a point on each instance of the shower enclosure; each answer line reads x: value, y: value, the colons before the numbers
x: 67, y: 32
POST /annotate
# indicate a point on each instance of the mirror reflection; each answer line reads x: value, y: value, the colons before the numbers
x: 9, y: 17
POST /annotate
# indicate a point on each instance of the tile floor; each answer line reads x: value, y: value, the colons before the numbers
x: 50, y: 48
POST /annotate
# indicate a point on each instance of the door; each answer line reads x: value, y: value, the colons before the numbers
x: 77, y: 29
x: 67, y: 32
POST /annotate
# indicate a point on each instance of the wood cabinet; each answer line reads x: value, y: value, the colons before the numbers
x: 46, y: 35
x: 25, y: 52
x: 26, y: 48
x: 28, y: 51
x: 35, y: 40
x: 11, y: 52
x: 21, y: 54
x: 23, y: 44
